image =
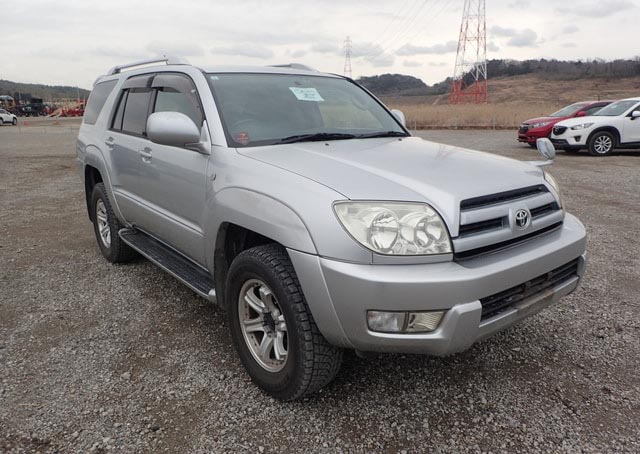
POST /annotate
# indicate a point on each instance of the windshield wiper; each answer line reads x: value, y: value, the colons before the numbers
x: 317, y: 137
x: 373, y: 135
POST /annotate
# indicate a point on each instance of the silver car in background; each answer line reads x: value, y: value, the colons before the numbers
x: 301, y: 205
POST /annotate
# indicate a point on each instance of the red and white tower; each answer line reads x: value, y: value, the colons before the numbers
x: 469, y: 83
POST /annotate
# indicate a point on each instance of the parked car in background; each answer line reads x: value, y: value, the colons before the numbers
x: 537, y: 128
x: 7, y: 118
x: 615, y: 126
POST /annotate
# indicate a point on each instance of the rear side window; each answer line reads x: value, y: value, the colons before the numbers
x: 98, y: 97
x: 134, y: 120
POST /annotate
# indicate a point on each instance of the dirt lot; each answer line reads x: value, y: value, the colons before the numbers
x: 97, y: 357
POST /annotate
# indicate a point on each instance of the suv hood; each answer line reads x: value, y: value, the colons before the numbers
x: 410, y: 169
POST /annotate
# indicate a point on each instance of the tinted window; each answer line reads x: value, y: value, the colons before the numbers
x: 136, y: 108
x: 98, y: 97
x: 592, y: 110
x: 615, y: 109
x: 569, y: 110
x: 117, y: 120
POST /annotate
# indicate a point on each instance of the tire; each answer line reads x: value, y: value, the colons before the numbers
x: 14, y: 122
x: 104, y: 220
x: 601, y: 143
x: 1, y: 122
x: 532, y: 145
x: 310, y: 362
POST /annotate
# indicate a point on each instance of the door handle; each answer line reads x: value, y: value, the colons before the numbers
x: 145, y: 153
x: 110, y: 142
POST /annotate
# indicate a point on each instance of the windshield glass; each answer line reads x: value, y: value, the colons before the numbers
x: 265, y: 109
x: 569, y: 110
x: 615, y: 109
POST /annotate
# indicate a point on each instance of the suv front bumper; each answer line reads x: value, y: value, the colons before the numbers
x: 339, y: 294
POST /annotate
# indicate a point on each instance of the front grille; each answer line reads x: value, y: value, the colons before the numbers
x: 500, y: 302
x: 502, y: 197
x: 558, y: 130
x: 496, y: 247
x: 544, y: 210
x: 483, y: 226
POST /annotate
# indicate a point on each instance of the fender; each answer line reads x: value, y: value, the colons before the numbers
x: 93, y: 156
x: 257, y: 212
x: 611, y: 129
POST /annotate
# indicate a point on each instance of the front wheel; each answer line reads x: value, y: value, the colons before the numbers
x: 272, y: 328
x: 601, y: 143
x: 532, y: 144
x: 14, y: 122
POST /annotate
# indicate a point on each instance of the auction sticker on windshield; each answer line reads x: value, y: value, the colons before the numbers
x: 306, y: 94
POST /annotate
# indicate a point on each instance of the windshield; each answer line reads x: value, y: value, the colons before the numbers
x: 265, y: 109
x: 615, y: 109
x: 569, y: 110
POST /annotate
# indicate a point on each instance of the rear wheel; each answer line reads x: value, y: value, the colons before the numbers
x: 15, y: 121
x: 601, y: 143
x: 1, y: 122
x: 106, y: 226
x: 272, y: 327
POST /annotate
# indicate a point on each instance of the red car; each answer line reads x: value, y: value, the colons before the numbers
x: 536, y: 128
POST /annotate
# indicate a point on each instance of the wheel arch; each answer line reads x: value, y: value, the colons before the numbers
x: 611, y: 129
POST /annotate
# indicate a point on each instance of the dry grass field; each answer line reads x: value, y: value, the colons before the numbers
x: 511, y: 100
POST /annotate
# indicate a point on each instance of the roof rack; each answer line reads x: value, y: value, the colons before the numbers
x: 164, y: 59
x: 295, y: 66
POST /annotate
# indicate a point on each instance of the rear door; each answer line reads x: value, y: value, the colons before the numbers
x: 172, y: 181
x: 125, y: 138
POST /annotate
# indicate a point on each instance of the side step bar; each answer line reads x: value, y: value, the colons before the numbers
x: 174, y: 263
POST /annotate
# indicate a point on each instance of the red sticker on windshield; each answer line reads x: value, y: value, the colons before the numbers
x: 241, y: 138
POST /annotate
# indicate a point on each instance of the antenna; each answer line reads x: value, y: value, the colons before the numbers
x: 347, y: 58
x: 469, y: 84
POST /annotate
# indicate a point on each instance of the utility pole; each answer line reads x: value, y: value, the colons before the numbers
x: 469, y: 84
x: 347, y: 58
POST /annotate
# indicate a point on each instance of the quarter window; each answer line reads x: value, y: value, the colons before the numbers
x: 98, y: 97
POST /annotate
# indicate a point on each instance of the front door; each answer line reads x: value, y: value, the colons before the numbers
x: 631, y: 129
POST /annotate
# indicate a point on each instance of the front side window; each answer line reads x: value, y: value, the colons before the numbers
x: 176, y: 93
x: 266, y: 109
x: 615, y: 109
x: 97, y: 98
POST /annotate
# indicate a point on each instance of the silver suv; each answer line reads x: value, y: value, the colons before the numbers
x: 300, y: 204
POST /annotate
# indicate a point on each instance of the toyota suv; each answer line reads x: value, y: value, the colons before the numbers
x: 304, y: 207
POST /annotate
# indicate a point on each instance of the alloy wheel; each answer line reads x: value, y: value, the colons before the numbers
x: 603, y: 144
x: 103, y: 223
x: 263, y: 326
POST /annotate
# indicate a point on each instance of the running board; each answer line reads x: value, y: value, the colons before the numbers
x: 174, y: 263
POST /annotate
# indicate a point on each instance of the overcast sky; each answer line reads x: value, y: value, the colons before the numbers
x: 70, y: 42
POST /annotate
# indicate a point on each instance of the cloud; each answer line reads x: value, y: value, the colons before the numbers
x: 436, y: 49
x: 519, y: 4
x: 382, y: 60
x: 366, y: 50
x: 492, y: 47
x: 298, y: 53
x: 598, y: 9
x: 570, y: 29
x: 326, y: 48
x: 178, y: 49
x: 517, y: 38
x: 439, y: 64
x: 569, y: 45
x: 245, y: 50
x: 412, y: 64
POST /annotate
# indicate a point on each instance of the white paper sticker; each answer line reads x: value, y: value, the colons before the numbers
x: 306, y: 94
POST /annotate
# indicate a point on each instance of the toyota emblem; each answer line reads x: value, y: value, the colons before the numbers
x: 523, y: 219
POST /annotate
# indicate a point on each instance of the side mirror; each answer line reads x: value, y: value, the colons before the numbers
x: 546, y: 148
x: 173, y: 129
x: 399, y: 116
x: 635, y: 114
x: 581, y: 114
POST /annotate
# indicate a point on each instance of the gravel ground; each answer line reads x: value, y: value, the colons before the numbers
x: 97, y: 357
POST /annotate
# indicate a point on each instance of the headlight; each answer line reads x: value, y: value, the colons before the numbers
x: 554, y: 184
x: 395, y: 228
x: 540, y: 125
x: 582, y: 126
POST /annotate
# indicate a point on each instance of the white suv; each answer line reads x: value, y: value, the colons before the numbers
x: 615, y: 126
x: 6, y: 117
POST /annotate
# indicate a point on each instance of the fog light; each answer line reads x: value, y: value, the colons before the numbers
x: 386, y: 322
x: 420, y: 322
x: 404, y: 322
